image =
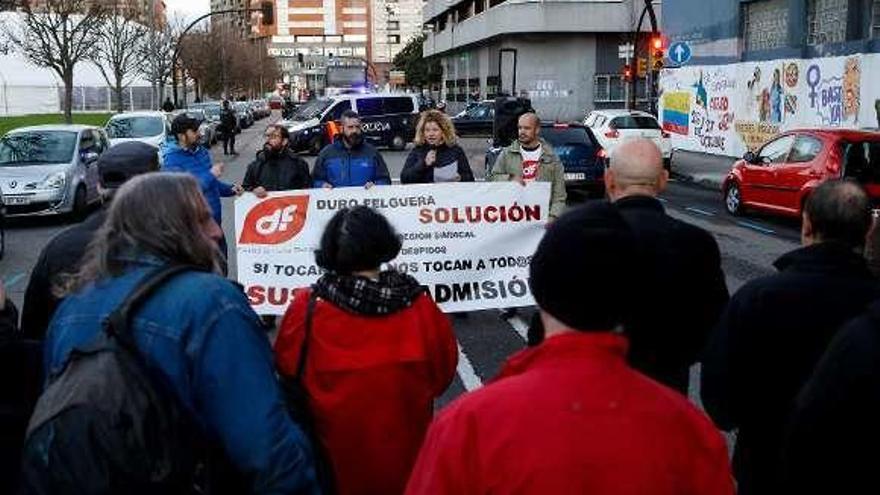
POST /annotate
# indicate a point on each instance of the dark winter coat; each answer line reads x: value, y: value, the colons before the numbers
x: 682, y: 266
x: 767, y: 344
x: 62, y: 255
x: 834, y: 428
x: 416, y: 172
x: 284, y: 171
x: 228, y: 122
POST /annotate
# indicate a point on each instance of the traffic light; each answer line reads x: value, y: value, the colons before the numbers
x: 642, y: 67
x: 627, y: 73
x: 300, y: 58
x: 657, y: 52
x: 268, y: 10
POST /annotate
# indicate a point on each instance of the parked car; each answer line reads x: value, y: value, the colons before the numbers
x: 387, y: 120
x: 51, y: 169
x: 2, y: 226
x: 147, y: 127
x: 781, y: 174
x: 476, y: 120
x: 614, y: 126
x: 583, y: 158
x: 244, y: 113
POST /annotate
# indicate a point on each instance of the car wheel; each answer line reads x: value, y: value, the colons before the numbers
x: 398, y: 143
x: 315, y: 145
x: 80, y: 204
x: 733, y: 199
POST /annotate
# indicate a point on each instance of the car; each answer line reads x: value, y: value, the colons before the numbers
x: 779, y: 176
x: 583, y: 158
x: 147, y: 127
x: 476, y: 120
x: 51, y: 169
x: 387, y: 120
x: 244, y: 113
x: 2, y: 226
x: 614, y: 126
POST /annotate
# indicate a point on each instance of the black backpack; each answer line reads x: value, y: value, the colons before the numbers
x: 108, y: 423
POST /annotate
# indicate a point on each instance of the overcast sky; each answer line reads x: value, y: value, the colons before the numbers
x: 189, y: 9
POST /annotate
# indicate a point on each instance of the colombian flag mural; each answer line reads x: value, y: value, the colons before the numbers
x: 676, y: 112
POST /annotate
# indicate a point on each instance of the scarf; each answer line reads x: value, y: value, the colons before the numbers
x: 360, y: 295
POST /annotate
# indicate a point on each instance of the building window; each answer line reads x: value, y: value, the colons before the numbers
x: 608, y: 88
x: 765, y: 24
x: 875, y: 19
x: 826, y: 21
x: 394, y: 39
x: 394, y: 25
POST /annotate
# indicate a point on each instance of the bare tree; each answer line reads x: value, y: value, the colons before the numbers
x: 118, y: 53
x: 156, y: 50
x: 58, y: 34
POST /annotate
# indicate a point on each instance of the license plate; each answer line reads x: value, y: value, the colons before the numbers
x: 18, y: 201
x: 579, y: 176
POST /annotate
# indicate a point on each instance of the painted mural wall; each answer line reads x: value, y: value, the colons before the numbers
x: 729, y: 109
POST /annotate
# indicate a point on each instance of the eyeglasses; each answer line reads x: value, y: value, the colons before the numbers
x: 274, y: 135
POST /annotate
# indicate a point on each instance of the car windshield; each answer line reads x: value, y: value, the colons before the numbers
x: 28, y: 148
x: 196, y: 114
x: 635, y: 122
x: 135, y: 127
x: 311, y: 109
x: 241, y: 106
x: 571, y: 144
x: 212, y: 112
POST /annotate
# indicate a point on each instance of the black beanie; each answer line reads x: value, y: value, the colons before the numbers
x: 126, y: 160
x: 584, y: 268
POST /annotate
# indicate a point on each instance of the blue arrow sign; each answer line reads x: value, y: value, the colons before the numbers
x: 679, y: 52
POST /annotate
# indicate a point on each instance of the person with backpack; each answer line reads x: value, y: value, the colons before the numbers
x: 370, y: 351
x: 228, y: 128
x: 154, y: 359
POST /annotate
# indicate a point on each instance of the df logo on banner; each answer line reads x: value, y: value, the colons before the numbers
x: 275, y: 220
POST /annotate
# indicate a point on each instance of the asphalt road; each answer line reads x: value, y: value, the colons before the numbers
x: 748, y: 245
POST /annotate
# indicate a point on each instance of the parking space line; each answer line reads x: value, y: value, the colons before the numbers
x: 699, y: 211
x: 466, y: 372
x: 11, y: 281
x: 749, y: 225
x: 521, y: 327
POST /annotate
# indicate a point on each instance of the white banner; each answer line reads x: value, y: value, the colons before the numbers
x: 469, y: 243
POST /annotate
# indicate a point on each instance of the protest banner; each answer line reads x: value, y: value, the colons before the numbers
x: 469, y: 243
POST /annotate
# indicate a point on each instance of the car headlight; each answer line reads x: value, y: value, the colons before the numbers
x: 55, y: 181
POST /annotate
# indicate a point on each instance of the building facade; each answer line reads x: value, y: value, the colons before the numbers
x: 564, y: 55
x: 395, y: 23
x: 762, y: 67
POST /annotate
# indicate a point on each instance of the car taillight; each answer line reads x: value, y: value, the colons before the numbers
x: 560, y: 125
x: 613, y: 134
x: 602, y: 153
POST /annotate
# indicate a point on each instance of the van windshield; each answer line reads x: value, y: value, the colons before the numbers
x: 311, y: 110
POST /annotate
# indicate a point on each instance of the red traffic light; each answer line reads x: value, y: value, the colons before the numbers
x: 657, y: 43
x: 627, y: 72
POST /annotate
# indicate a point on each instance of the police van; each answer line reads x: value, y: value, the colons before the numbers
x: 387, y: 119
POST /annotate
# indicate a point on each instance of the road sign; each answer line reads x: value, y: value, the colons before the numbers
x: 625, y: 51
x: 679, y: 52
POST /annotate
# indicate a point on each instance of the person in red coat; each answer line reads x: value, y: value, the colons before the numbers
x: 570, y: 416
x: 380, y: 352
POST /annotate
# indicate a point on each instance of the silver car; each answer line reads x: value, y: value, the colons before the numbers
x: 50, y: 169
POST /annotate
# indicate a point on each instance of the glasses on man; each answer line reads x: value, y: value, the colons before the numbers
x: 274, y: 135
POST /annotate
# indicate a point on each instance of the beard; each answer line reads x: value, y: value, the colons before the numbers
x: 272, y: 150
x: 353, y: 140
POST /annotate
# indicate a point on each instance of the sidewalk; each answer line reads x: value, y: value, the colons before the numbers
x: 703, y: 169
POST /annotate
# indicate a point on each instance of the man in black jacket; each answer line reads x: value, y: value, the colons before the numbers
x: 277, y: 167
x: 681, y: 266
x: 776, y: 328
x: 63, y: 253
x: 228, y: 127
x: 834, y: 429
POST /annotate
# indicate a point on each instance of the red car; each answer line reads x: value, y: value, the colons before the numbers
x: 780, y: 176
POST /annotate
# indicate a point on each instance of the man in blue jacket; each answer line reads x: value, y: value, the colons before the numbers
x: 350, y: 162
x: 183, y: 153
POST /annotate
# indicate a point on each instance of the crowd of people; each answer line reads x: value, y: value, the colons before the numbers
x: 145, y: 370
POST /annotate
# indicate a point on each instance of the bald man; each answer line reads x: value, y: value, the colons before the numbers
x: 529, y: 159
x: 682, y: 293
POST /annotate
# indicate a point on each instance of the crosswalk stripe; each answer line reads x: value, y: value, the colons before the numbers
x: 520, y: 326
x: 466, y: 372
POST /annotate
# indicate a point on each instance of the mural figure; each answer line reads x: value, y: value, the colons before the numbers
x: 702, y: 96
x: 852, y: 77
x: 776, y: 98
x: 754, y: 92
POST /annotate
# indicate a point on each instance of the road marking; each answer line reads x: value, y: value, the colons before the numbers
x: 701, y: 212
x: 749, y: 225
x: 466, y: 372
x: 663, y: 200
x: 13, y: 280
x: 521, y: 327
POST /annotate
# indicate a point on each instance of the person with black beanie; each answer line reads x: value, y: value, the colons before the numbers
x: 436, y: 156
x: 578, y: 417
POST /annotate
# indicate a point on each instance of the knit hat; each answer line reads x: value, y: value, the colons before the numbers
x: 584, y: 268
x: 183, y: 123
x: 126, y: 160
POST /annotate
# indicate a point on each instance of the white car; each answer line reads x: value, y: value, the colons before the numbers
x: 615, y: 126
x: 147, y: 127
